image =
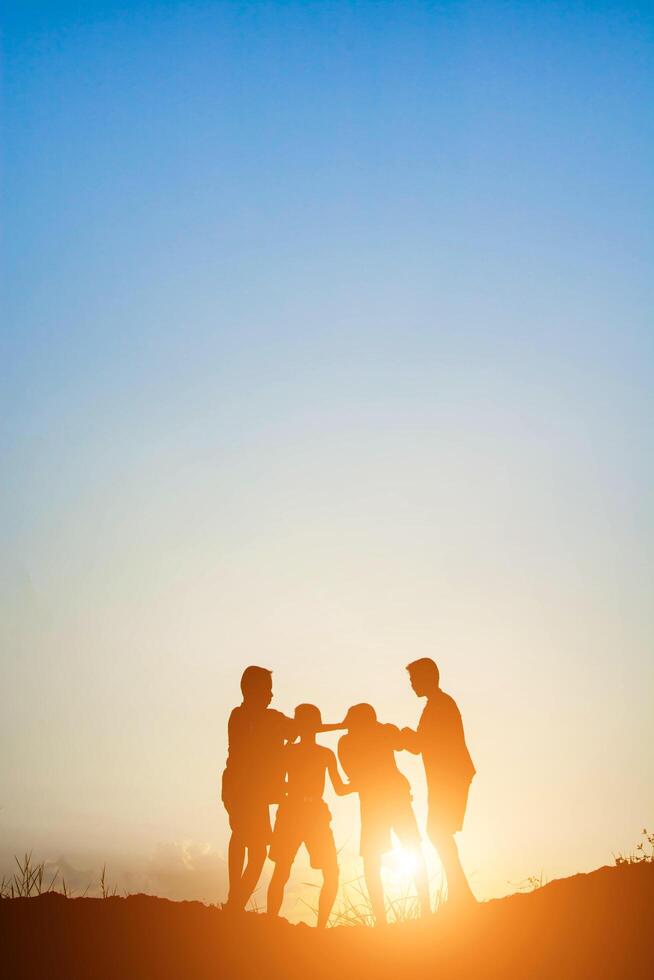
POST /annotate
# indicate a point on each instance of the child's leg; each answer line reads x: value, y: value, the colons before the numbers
x: 235, y: 861
x: 372, y: 875
x: 327, y: 892
x: 256, y: 859
x: 406, y: 829
x: 281, y: 874
x: 422, y: 882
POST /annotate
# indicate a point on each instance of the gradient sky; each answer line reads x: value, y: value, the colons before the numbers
x: 327, y: 344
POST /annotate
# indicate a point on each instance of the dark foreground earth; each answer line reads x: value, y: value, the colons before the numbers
x: 598, y: 925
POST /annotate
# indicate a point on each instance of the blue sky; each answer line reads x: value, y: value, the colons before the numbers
x: 327, y: 339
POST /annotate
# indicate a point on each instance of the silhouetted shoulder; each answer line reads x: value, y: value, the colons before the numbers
x: 236, y: 719
x: 277, y: 718
x: 392, y: 734
x: 242, y: 719
x: 278, y: 724
x: 449, y: 705
x: 440, y: 712
x: 442, y: 738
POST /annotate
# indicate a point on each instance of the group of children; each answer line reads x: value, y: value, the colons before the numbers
x: 276, y: 759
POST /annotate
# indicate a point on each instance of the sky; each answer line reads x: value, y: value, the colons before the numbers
x: 326, y: 345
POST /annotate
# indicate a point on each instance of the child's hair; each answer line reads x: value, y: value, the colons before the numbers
x: 360, y: 714
x: 255, y: 679
x: 308, y: 716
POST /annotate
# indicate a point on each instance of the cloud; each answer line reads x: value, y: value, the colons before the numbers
x: 187, y: 870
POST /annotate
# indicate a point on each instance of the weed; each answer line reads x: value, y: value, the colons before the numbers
x: 644, y: 851
x: 355, y: 908
x: 531, y: 883
x: 29, y: 880
x: 105, y: 890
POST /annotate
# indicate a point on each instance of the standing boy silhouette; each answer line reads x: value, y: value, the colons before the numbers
x: 252, y: 780
x: 440, y: 740
x: 367, y: 755
x: 303, y: 816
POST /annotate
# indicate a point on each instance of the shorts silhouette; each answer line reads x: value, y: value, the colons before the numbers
x: 308, y: 822
x: 380, y: 816
x: 249, y: 814
x: 447, y: 807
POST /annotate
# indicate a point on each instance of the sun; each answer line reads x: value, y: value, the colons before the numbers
x: 401, y: 865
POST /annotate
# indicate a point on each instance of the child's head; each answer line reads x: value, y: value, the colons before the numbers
x: 360, y: 717
x: 307, y: 719
x: 256, y: 686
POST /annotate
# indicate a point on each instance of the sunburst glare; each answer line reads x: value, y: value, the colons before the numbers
x: 400, y: 866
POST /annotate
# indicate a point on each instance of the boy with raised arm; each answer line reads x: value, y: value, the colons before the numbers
x: 303, y: 816
x: 252, y: 780
x: 367, y: 755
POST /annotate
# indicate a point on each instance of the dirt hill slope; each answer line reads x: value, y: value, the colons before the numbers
x: 598, y: 925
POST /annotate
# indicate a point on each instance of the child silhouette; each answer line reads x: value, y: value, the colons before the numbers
x: 367, y: 755
x: 303, y: 816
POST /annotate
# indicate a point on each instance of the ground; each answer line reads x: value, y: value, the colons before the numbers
x: 597, y: 925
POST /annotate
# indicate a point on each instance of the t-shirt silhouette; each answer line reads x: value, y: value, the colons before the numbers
x: 255, y: 766
x: 306, y: 766
x: 442, y: 743
x: 368, y: 758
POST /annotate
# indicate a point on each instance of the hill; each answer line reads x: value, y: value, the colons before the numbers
x: 596, y: 925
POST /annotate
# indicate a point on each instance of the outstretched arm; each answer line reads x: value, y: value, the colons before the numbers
x: 339, y: 726
x: 410, y: 741
x: 341, y: 788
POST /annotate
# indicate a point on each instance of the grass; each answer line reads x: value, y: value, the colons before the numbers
x: 30, y: 880
x: 530, y: 883
x: 644, y: 852
x: 590, y: 925
x: 355, y: 909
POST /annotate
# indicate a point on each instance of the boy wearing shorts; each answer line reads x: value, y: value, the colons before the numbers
x: 303, y: 816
